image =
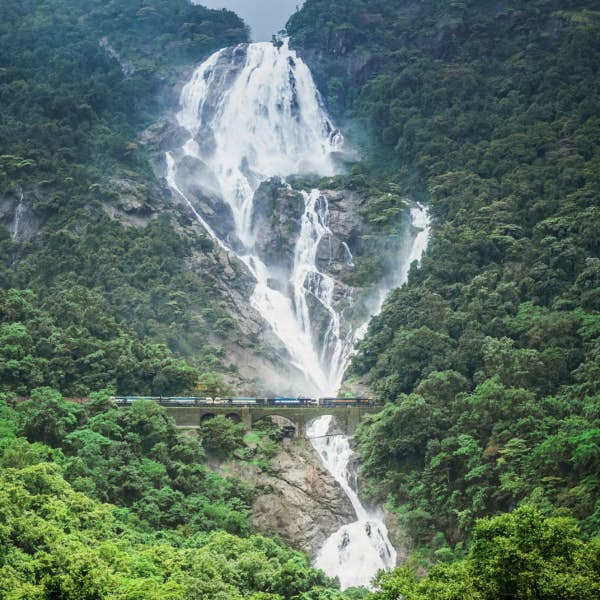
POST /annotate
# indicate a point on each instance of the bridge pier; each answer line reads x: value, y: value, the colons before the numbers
x: 246, y: 414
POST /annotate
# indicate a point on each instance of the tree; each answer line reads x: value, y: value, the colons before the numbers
x: 213, y: 385
x: 520, y: 555
x: 47, y: 418
x: 222, y: 435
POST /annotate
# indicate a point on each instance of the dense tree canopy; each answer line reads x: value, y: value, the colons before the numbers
x: 172, y: 529
x: 78, y: 81
x: 513, y: 556
x: 488, y: 359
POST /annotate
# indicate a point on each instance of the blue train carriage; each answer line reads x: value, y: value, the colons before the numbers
x: 185, y: 401
x: 341, y: 402
x: 291, y: 402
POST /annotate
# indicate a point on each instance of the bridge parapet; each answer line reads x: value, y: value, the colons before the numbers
x: 347, y: 417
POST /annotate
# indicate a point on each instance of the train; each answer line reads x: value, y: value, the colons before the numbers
x: 281, y: 401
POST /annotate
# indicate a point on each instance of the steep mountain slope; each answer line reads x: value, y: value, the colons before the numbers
x: 86, y: 224
x: 489, y: 358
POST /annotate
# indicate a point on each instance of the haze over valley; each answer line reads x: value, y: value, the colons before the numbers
x: 264, y: 17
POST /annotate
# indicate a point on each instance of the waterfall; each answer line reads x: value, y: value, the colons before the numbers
x: 253, y: 113
x: 19, y: 212
x: 419, y: 218
x: 356, y: 551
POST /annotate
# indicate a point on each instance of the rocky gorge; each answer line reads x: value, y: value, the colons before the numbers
x: 298, y: 500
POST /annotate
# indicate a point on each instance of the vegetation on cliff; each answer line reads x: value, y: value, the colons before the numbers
x: 78, y: 81
x: 516, y: 555
x: 173, y: 529
x: 488, y: 360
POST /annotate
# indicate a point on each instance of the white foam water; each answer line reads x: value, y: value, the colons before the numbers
x: 252, y: 113
x: 15, y: 228
x: 358, y: 550
x: 420, y: 220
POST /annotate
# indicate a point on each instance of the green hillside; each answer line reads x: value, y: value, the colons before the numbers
x: 78, y: 81
x: 173, y: 529
x: 488, y: 361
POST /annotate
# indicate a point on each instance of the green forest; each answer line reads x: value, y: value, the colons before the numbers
x: 107, y: 296
x: 98, y: 502
x: 487, y: 363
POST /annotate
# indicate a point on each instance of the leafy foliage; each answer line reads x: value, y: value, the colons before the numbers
x: 488, y: 358
x: 57, y: 543
x: 517, y: 555
x: 134, y: 458
x: 73, y: 346
x: 78, y: 81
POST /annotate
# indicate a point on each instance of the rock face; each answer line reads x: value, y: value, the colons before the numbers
x: 20, y: 213
x: 276, y: 219
x: 164, y: 135
x: 276, y: 215
x: 302, y: 503
x: 398, y: 536
x: 336, y: 250
x: 200, y: 187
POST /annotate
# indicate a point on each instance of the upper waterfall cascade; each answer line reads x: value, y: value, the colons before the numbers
x: 253, y: 113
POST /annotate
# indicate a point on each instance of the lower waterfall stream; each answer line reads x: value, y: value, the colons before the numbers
x: 356, y: 551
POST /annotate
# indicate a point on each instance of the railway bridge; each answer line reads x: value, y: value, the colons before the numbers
x: 347, y: 417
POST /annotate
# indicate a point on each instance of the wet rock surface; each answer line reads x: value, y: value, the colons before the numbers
x: 21, y: 214
x: 336, y: 251
x: 197, y: 182
x: 302, y: 503
x: 164, y: 135
x: 277, y: 212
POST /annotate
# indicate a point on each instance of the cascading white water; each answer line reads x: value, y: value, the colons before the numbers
x: 356, y: 551
x: 420, y: 220
x: 253, y: 113
x: 16, y: 224
x: 262, y: 120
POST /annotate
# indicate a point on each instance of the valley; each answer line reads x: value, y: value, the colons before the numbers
x: 394, y: 202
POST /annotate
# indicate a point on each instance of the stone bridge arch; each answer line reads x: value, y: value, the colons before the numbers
x: 288, y: 426
x: 347, y: 418
x: 234, y: 416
